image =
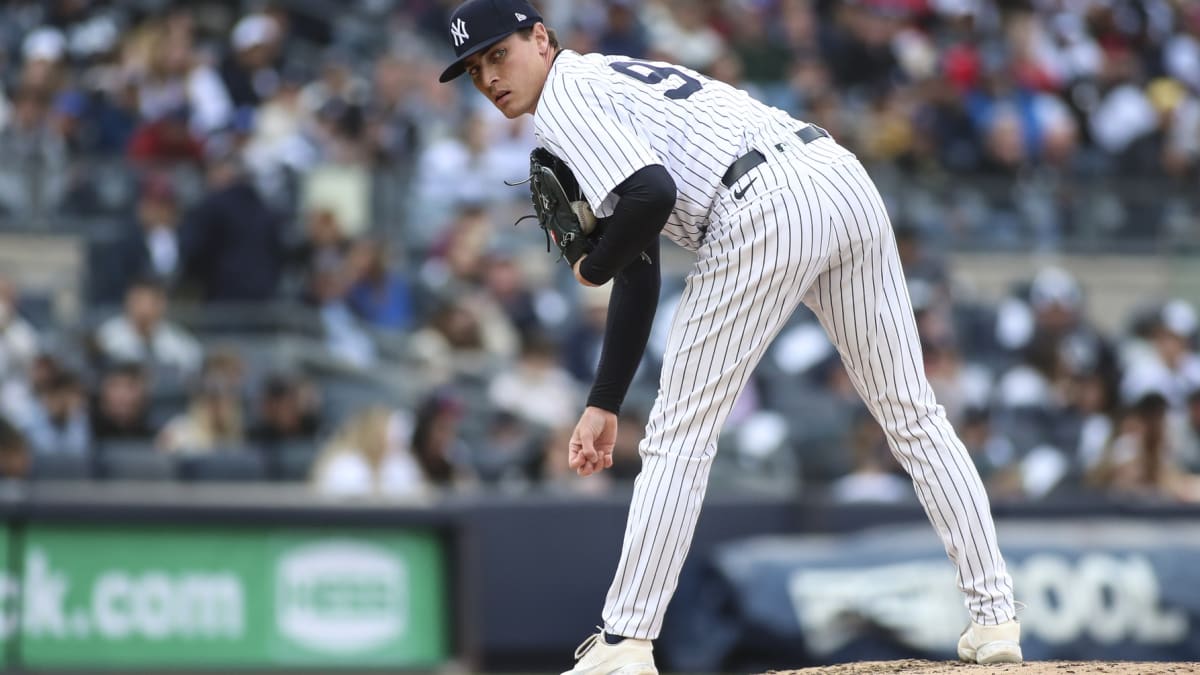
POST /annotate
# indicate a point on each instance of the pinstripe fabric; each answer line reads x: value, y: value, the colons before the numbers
x: 811, y: 227
x: 606, y: 125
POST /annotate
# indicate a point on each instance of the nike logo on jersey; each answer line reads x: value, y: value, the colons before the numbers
x: 738, y: 194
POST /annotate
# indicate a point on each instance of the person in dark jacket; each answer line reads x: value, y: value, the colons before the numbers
x: 232, y: 241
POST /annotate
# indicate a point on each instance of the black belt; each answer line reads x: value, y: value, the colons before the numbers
x: 742, y: 165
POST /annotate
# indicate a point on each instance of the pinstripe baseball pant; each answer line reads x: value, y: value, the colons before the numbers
x: 811, y: 227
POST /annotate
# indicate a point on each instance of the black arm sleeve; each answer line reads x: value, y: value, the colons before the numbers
x: 645, y: 201
x: 631, y: 310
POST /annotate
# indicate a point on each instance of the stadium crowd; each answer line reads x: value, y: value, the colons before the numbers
x: 220, y: 155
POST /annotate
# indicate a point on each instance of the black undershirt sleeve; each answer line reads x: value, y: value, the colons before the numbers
x: 645, y: 201
x: 631, y: 308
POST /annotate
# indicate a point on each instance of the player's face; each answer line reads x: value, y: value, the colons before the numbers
x: 511, y: 72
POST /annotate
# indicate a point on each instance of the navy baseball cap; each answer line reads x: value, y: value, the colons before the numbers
x: 479, y: 24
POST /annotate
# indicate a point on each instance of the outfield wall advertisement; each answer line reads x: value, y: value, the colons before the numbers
x: 1104, y: 589
x: 110, y: 597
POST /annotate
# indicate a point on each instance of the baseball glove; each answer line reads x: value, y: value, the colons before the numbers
x: 559, y: 206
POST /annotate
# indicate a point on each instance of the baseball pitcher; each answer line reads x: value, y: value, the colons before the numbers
x: 776, y: 213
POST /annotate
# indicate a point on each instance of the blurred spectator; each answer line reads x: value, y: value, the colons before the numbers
x: 535, y: 388
x: 458, y: 253
x: 623, y: 32
x: 679, y: 33
x: 875, y: 477
x: 1139, y: 461
x: 1181, y: 53
x: 1037, y: 381
x: 33, y: 158
x: 19, y: 397
x: 507, y: 284
x: 149, y: 249
x: 957, y: 385
x: 1124, y: 119
x: 585, y: 337
x: 378, y: 295
x: 325, y: 256
x: 18, y: 338
x: 920, y: 261
x: 858, y: 46
x: 371, y: 456
x: 393, y: 125
x: 166, y: 139
x: 337, y: 82
x: 1179, y: 111
x: 337, y: 100
x: 764, y: 59
x: 121, y: 407
x: 15, y: 459
x: 111, y: 115
x: 945, y: 130
x: 509, y: 452
x: 143, y: 334
x: 444, y: 457
x: 287, y: 410
x: 231, y: 241
x: 18, y: 355
x: 992, y: 453
x: 1094, y: 403
x: 1169, y: 366
x: 281, y: 144
x: 1054, y: 313
x: 1186, y: 431
x: 172, y: 76
x: 213, y: 421
x: 341, y: 133
x: 60, y: 422
x: 249, y: 73
x: 469, y: 168
x: 465, y: 335
x: 43, y: 51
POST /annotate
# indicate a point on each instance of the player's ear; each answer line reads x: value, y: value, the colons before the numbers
x: 541, y: 38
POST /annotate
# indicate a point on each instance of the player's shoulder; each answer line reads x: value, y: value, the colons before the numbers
x: 576, y: 80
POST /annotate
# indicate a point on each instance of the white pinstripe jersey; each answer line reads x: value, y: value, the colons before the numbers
x: 608, y: 116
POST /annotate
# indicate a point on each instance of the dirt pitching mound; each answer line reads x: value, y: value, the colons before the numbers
x: 1032, y: 668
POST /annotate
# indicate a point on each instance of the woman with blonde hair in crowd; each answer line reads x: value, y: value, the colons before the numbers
x: 214, y: 417
x: 370, y: 456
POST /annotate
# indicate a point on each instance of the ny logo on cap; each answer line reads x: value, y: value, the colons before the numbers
x: 520, y: 16
x: 458, y: 30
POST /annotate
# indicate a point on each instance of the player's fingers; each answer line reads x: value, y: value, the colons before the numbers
x: 587, y: 439
x: 575, y: 455
x: 594, y: 466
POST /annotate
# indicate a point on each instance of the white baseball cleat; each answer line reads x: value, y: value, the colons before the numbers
x: 628, y: 657
x: 991, y: 644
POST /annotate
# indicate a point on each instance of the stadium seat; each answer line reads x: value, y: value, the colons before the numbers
x: 292, y: 461
x: 61, y: 467
x: 136, y: 460
x: 239, y: 464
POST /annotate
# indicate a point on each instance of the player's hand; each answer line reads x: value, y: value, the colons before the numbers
x: 591, y: 447
x: 578, y: 276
